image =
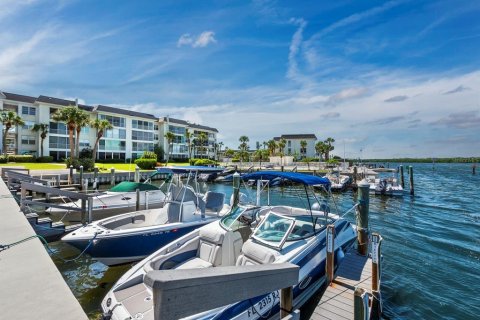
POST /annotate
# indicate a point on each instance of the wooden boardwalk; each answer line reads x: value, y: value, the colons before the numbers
x: 337, y: 301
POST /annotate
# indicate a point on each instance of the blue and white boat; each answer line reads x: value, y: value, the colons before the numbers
x: 133, y: 236
x: 249, y: 235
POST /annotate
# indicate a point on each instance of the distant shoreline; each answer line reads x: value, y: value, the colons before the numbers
x: 426, y: 160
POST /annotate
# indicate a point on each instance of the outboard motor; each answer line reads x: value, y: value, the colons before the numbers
x: 382, y: 186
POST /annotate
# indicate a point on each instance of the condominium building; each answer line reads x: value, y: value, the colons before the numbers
x: 293, y: 144
x: 132, y: 134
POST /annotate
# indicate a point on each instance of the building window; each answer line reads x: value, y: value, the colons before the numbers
x: 29, y: 110
x: 28, y: 140
x: 142, y: 135
x: 177, y: 130
x: 58, y: 128
x: 112, y: 145
x: 115, y: 133
x: 289, y: 143
x: 142, y: 125
x: 142, y: 146
x: 115, y: 121
x: 58, y: 142
x: 28, y: 125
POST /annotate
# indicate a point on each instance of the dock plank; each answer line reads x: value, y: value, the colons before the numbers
x: 337, y: 301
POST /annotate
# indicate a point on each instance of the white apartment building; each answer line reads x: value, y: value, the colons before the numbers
x: 180, y: 144
x: 293, y: 146
x: 132, y: 134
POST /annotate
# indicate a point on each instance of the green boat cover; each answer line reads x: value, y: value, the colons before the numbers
x: 127, y: 186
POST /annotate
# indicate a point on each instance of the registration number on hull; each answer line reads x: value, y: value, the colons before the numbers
x: 261, y: 308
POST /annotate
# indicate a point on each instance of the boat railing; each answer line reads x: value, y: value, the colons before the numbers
x: 225, y: 286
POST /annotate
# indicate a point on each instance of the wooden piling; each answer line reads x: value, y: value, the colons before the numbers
x: 474, y: 168
x: 112, y: 176
x: 355, y: 172
x: 360, y: 304
x: 286, y: 302
x: 329, y: 266
x: 137, y: 201
x: 84, y: 211
x: 362, y: 221
x: 412, y: 188
x: 70, y: 175
x: 402, y: 179
x: 81, y: 178
x: 90, y: 210
x: 236, y: 189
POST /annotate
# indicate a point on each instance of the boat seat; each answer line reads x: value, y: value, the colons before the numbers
x: 214, y: 201
x: 209, y: 253
x: 254, y: 253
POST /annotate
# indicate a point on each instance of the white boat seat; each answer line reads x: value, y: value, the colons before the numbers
x: 209, y: 253
x: 214, y: 201
x: 254, y: 253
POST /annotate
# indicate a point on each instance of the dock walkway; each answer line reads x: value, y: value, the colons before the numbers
x: 337, y: 301
x: 31, y: 287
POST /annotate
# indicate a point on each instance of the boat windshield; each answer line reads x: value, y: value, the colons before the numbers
x: 274, y: 230
x: 238, y: 218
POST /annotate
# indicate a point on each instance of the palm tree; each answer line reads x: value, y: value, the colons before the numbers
x: 9, y: 119
x: 70, y: 115
x: 100, y: 126
x: 170, y: 137
x: 303, y: 144
x: 243, y: 147
x: 43, y: 129
x: 328, y: 147
x: 319, y: 148
x: 281, y: 146
x: 265, y: 144
x: 202, y: 138
x: 220, y: 145
x: 83, y: 120
x: 272, y: 146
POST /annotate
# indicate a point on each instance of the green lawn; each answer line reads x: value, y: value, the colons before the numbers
x: 34, y: 165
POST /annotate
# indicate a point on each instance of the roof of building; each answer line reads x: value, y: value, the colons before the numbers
x: 296, y: 136
x: 62, y: 102
x: 186, y: 123
x: 18, y: 97
x: 124, y: 112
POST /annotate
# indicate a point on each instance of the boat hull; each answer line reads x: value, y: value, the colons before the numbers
x: 119, y: 249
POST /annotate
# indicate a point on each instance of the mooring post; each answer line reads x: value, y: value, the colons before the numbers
x: 112, y: 176
x: 360, y: 304
x: 362, y: 223
x: 84, y: 211
x: 137, y: 202
x: 330, y: 253
x: 355, y: 175
x: 95, y: 178
x: 402, y: 179
x: 412, y: 188
x: 236, y: 189
x: 474, y: 168
x: 147, y: 198
x: 286, y: 302
x: 81, y: 178
x: 23, y: 197
x: 137, y: 174
x: 281, y: 168
x: 376, y: 256
x: 70, y: 175
x: 90, y: 210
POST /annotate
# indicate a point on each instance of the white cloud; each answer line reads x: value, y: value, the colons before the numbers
x: 292, y: 71
x: 202, y: 40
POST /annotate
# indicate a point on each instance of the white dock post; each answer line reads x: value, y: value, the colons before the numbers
x: 147, y: 199
x: 137, y: 174
x: 112, y: 176
x: 360, y: 304
x: 90, y: 210
x: 330, y: 253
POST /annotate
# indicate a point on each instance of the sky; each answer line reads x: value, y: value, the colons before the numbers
x: 383, y: 78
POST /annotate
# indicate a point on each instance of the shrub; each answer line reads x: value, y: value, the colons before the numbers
x: 158, y: 149
x: 146, y: 164
x: 3, y: 159
x: 193, y: 160
x: 87, y: 163
x: 113, y: 161
x: 205, y: 162
x: 44, y: 159
x: 85, y: 153
x: 149, y: 155
x: 235, y: 160
x: 21, y: 158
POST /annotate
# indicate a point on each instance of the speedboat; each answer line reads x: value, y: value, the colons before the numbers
x: 132, y: 236
x: 248, y: 235
x: 119, y: 199
x: 339, y: 181
x: 388, y: 187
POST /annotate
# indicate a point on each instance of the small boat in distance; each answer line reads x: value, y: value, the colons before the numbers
x: 339, y: 182
x: 248, y: 235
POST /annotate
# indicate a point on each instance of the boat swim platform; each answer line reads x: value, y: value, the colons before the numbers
x: 337, y: 302
x: 31, y: 287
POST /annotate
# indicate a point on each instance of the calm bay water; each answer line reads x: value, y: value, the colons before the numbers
x: 431, y: 248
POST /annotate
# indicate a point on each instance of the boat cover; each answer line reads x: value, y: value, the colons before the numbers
x: 302, y: 178
x: 127, y: 186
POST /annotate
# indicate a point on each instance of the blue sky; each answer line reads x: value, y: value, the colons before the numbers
x: 393, y: 78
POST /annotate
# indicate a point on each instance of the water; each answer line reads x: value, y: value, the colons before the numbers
x: 431, y: 248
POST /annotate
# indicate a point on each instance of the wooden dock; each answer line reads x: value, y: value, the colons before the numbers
x: 337, y: 301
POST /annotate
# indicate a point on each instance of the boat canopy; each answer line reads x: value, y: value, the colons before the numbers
x: 187, y: 169
x: 127, y: 186
x: 302, y: 178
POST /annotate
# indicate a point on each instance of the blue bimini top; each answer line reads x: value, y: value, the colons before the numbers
x: 302, y: 178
